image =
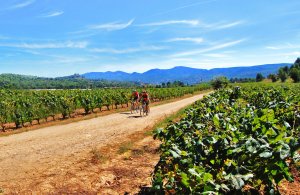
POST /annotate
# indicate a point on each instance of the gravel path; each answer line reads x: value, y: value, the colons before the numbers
x: 24, y: 157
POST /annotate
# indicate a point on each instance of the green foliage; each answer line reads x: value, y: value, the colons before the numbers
x: 273, y: 77
x: 219, y: 82
x: 297, y: 61
x: 294, y: 71
x: 295, y: 74
x: 230, y: 139
x: 25, y: 106
x: 13, y: 81
x: 173, y: 84
x: 241, y: 80
x: 282, y: 74
x: 259, y: 77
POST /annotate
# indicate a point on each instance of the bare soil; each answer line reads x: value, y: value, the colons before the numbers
x: 105, y: 155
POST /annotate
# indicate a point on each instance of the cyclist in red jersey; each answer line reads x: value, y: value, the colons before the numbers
x: 135, y: 96
x: 145, y: 99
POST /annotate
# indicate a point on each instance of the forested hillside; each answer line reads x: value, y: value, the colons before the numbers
x: 14, y: 81
x: 186, y: 74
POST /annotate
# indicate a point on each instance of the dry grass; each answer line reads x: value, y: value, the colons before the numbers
x: 125, y: 147
x: 97, y: 157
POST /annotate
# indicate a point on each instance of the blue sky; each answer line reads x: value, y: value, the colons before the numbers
x: 63, y: 37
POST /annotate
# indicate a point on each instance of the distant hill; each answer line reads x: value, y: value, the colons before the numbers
x: 123, y: 79
x: 186, y: 74
x: 15, y: 81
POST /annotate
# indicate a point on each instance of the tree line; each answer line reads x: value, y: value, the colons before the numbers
x: 284, y: 73
x: 14, y: 81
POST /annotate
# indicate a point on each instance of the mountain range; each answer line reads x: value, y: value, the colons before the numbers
x: 185, y: 74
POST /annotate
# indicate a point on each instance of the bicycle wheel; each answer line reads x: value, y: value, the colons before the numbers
x: 132, y: 107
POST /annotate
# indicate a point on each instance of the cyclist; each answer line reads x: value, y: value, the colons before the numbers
x: 145, y: 99
x: 135, y: 98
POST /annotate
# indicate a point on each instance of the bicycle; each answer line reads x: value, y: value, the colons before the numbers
x: 144, y: 109
x: 134, y: 107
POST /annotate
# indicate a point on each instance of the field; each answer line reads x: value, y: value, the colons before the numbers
x: 103, y: 155
x: 221, y: 144
x: 237, y: 140
x: 23, y: 107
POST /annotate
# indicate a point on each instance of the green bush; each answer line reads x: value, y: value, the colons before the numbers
x: 259, y: 77
x: 295, y: 74
x: 219, y: 82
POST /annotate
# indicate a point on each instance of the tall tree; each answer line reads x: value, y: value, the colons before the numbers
x: 294, y: 71
x: 282, y: 74
x: 259, y: 77
x: 295, y: 74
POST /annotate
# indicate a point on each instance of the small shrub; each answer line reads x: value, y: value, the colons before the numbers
x: 125, y: 147
x: 96, y: 156
x: 219, y: 82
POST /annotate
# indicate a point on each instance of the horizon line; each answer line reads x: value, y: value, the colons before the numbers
x: 144, y: 71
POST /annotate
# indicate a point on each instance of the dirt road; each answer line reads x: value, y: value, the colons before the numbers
x: 29, y: 159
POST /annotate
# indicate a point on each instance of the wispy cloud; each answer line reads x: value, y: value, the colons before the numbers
x: 22, y: 4
x: 187, y: 39
x: 171, y: 22
x: 216, y: 55
x: 184, y: 6
x: 52, y: 14
x: 212, y: 48
x: 226, y: 25
x: 111, y: 26
x: 196, y: 23
x: 283, y: 47
x: 69, y: 44
x: 93, y: 30
x: 127, y: 50
x: 295, y: 53
x: 273, y: 48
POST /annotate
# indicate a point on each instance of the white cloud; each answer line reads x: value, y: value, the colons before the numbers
x: 291, y: 54
x: 23, y: 4
x: 283, y: 47
x: 52, y: 14
x: 213, y: 48
x: 196, y: 23
x: 111, y: 26
x: 171, y: 22
x: 182, y: 59
x: 69, y: 44
x: 189, y: 39
x: 227, y: 25
x: 127, y: 50
x: 216, y: 55
x: 272, y: 47
x: 184, y: 6
x: 96, y: 29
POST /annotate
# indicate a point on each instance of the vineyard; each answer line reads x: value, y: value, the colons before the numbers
x: 236, y: 140
x: 26, y: 106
